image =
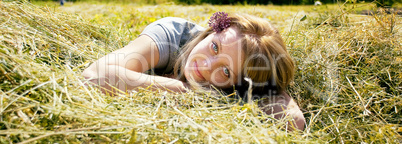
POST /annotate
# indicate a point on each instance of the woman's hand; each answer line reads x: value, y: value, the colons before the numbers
x: 282, y: 106
x: 117, y: 79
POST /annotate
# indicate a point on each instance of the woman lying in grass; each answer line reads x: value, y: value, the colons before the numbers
x: 182, y: 56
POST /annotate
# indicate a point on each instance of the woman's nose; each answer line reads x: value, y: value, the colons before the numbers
x: 209, y: 64
x: 205, y: 63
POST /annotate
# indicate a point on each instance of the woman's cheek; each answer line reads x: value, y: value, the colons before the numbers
x: 217, y: 79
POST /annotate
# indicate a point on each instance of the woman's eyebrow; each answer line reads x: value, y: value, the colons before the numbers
x: 220, y: 43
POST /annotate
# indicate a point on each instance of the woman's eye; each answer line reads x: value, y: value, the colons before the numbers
x: 226, y: 72
x: 215, y: 47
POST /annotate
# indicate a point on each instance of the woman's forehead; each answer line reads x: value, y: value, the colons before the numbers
x: 230, y: 35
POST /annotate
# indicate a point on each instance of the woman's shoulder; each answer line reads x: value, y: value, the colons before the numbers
x: 176, y: 26
x: 173, y: 20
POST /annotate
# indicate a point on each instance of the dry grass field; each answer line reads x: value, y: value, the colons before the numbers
x: 348, y: 80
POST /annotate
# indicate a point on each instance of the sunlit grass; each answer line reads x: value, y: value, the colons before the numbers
x: 348, y: 79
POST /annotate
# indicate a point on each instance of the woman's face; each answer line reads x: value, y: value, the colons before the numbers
x: 216, y: 60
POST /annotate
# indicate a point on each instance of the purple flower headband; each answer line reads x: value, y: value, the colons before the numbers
x: 219, y: 21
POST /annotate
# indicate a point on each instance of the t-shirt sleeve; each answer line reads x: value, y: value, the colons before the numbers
x: 170, y: 34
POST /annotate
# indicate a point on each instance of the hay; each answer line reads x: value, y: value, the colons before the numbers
x: 348, y: 81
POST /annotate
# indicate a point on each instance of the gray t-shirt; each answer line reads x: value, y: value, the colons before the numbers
x: 170, y: 34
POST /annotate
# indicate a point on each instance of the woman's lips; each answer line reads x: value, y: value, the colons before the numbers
x: 196, y: 71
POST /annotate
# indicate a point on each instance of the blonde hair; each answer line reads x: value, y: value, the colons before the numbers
x: 261, y: 43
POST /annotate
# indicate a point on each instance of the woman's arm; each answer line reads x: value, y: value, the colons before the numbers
x: 123, y: 68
